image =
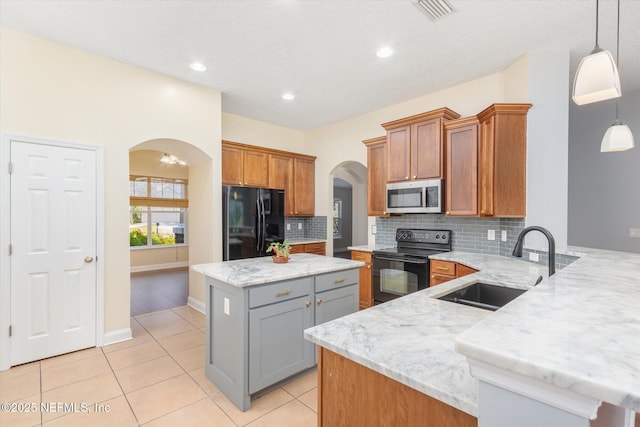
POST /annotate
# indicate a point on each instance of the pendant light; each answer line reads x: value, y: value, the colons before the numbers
x: 618, y: 137
x: 597, y: 77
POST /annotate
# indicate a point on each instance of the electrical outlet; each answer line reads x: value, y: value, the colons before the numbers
x: 534, y: 257
x: 288, y: 227
x: 299, y: 226
x: 503, y: 235
x: 374, y: 229
x: 226, y: 309
x: 491, y: 234
x: 634, y: 232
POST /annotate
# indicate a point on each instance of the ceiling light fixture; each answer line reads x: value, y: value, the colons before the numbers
x: 618, y: 137
x: 435, y: 9
x: 288, y: 97
x: 198, y: 66
x: 171, y: 159
x: 597, y: 77
x: 384, y: 52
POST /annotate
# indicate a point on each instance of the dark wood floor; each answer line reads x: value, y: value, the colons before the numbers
x: 159, y: 290
x: 342, y: 254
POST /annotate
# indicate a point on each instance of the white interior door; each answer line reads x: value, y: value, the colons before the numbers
x: 53, y: 238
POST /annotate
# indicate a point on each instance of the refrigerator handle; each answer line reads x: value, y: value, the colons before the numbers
x: 264, y: 226
x: 259, y: 223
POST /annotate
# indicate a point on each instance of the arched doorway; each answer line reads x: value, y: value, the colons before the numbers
x: 348, y: 198
x: 160, y: 222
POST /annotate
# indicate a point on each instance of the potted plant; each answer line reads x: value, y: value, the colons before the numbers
x: 281, y: 251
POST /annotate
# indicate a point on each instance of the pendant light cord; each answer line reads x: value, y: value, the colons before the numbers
x: 618, y: 53
x: 597, y: 2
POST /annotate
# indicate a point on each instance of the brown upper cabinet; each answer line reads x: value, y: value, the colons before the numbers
x: 254, y: 166
x: 486, y: 163
x: 376, y: 176
x: 415, y: 146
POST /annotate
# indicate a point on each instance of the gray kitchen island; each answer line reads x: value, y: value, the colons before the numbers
x: 256, y: 314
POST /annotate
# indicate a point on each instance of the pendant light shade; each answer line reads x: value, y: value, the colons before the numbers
x: 597, y: 77
x: 617, y: 138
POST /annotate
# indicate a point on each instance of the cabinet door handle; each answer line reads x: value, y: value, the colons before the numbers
x: 433, y: 276
x: 319, y: 301
x: 406, y: 177
x: 368, y: 266
x: 339, y: 281
x: 240, y: 182
x: 415, y: 176
x: 308, y: 304
x: 283, y: 293
x: 447, y: 212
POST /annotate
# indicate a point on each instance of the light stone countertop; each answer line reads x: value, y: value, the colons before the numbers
x: 258, y: 271
x: 368, y: 248
x: 578, y: 330
x: 411, y: 339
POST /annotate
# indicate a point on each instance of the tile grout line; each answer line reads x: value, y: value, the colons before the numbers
x: 121, y: 389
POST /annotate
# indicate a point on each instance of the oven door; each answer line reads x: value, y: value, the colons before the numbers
x: 396, y: 276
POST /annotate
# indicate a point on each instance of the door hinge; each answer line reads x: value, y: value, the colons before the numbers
x: 10, y: 168
x: 10, y: 330
x: 10, y: 249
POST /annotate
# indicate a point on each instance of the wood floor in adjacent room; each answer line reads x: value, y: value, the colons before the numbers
x: 159, y: 290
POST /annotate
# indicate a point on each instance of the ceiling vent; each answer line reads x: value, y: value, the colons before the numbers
x: 435, y: 9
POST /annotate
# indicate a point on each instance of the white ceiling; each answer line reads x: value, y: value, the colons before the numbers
x: 324, y: 50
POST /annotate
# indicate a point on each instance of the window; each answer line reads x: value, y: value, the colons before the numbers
x: 157, y: 211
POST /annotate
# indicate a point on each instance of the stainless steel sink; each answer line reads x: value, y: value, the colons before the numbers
x: 483, y: 295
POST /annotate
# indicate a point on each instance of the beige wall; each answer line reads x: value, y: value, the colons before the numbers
x: 254, y: 132
x: 147, y: 163
x: 55, y: 92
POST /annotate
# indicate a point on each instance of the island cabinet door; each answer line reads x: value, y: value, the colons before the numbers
x: 336, y: 303
x: 277, y: 348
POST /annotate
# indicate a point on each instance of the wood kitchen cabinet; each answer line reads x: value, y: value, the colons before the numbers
x: 443, y: 271
x: 304, y: 186
x: 486, y: 163
x: 242, y: 166
x: 376, y: 176
x: 461, y: 189
x: 366, y: 291
x: 254, y: 166
x: 318, y: 248
x: 350, y: 394
x: 415, y: 146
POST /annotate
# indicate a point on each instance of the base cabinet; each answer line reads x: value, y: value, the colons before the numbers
x: 319, y: 248
x: 277, y: 346
x: 443, y: 271
x: 352, y: 395
x: 366, y: 290
x: 255, y: 335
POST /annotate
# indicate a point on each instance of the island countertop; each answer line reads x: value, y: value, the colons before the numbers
x: 411, y: 339
x: 258, y: 271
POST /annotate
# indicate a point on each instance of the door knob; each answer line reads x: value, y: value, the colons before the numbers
x: 88, y: 259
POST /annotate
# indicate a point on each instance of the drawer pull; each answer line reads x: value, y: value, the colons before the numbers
x: 442, y: 268
x: 339, y: 281
x: 283, y: 293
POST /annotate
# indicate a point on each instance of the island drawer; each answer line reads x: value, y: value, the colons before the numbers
x: 280, y: 291
x: 337, y: 279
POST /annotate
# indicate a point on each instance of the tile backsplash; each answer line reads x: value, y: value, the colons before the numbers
x: 314, y: 227
x: 468, y: 234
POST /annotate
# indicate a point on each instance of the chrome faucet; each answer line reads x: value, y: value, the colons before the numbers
x: 517, y: 250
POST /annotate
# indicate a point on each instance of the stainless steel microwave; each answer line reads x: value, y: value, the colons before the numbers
x: 415, y: 196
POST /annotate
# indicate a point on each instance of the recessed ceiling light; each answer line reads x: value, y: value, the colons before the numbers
x: 288, y: 97
x: 384, y: 52
x: 198, y: 66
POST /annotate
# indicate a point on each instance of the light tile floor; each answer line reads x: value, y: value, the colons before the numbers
x: 155, y: 379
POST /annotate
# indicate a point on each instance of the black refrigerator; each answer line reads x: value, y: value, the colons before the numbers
x: 252, y: 218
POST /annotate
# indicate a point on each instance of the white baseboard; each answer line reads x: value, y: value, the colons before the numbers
x: 155, y: 267
x: 196, y: 304
x: 117, y: 336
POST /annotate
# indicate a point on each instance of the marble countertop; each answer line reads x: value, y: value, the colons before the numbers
x: 367, y: 248
x: 258, y: 271
x: 578, y: 330
x: 304, y: 241
x: 411, y: 339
